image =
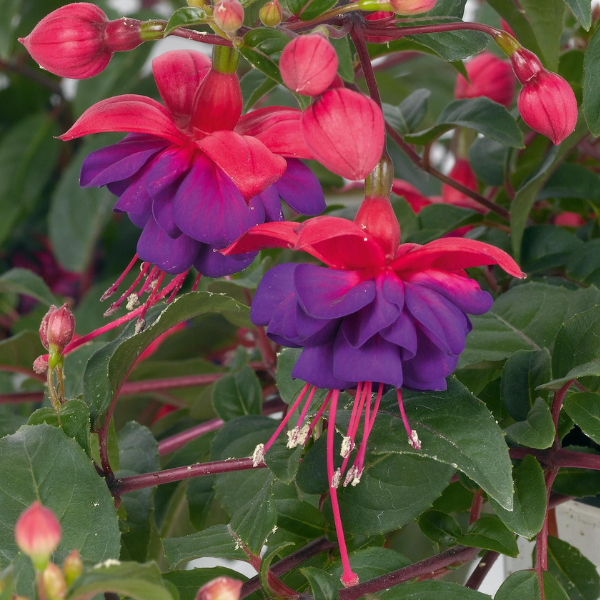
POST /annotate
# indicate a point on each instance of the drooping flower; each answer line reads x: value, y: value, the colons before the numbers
x: 380, y: 313
x: 193, y: 173
x: 488, y: 76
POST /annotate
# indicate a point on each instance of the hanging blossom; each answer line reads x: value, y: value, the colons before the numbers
x: 193, y: 173
x: 378, y: 314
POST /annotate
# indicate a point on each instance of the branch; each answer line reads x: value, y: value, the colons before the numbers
x: 482, y: 569
x: 400, y: 32
x: 358, y: 37
x: 557, y: 403
x: 576, y: 460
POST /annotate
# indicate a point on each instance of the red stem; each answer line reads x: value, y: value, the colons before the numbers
x: 358, y: 37
x: 482, y: 569
x: 557, y: 403
x: 400, y: 32
x: 541, y: 547
x: 476, y: 506
x: 19, y: 397
x: 577, y: 460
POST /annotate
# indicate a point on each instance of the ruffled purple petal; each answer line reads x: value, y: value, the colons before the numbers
x: 135, y: 198
x: 276, y: 286
x: 300, y: 189
x: 329, y: 294
x: 403, y: 333
x: 119, y: 161
x: 271, y: 203
x: 315, y: 366
x: 171, y: 255
x: 211, y: 263
x: 209, y: 208
x: 376, y: 360
x: 430, y: 363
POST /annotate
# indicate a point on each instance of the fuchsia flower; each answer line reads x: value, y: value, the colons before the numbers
x: 194, y: 174
x: 380, y: 313
x: 78, y: 40
x: 488, y: 76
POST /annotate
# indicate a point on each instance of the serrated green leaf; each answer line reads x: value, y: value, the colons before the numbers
x: 185, y: 17
x: 490, y: 533
x: 537, y: 431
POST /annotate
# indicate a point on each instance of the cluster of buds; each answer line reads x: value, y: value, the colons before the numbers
x: 56, y: 331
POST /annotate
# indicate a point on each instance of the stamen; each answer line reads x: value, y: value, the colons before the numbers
x: 128, y: 293
x: 293, y: 437
x: 349, y: 578
x: 346, y: 446
x: 320, y: 413
x: 306, y: 407
x: 132, y: 301
x: 335, y: 480
x: 258, y: 456
x: 152, y: 299
x: 196, y: 282
x: 360, y: 457
x: 115, y: 286
x: 356, y: 423
x: 413, y: 438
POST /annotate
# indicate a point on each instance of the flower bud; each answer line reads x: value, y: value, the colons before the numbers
x: 488, y: 76
x: 546, y: 101
x: 228, y: 15
x: 72, y: 567
x: 78, y: 40
x: 54, y: 582
x: 218, y: 102
x: 345, y: 131
x: 412, y: 7
x: 462, y: 173
x: 38, y: 534
x: 221, y: 588
x: 308, y: 64
x: 270, y: 14
x: 60, y: 328
x: 40, y: 365
x: 44, y: 327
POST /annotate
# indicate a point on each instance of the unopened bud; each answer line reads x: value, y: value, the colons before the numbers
x: 40, y: 365
x: 44, y: 327
x: 308, y: 64
x: 60, y: 329
x: 72, y: 567
x: 228, y: 15
x: 78, y: 40
x: 221, y: 588
x: 54, y: 582
x: 400, y: 7
x: 270, y: 14
x: 196, y: 3
x: 37, y: 534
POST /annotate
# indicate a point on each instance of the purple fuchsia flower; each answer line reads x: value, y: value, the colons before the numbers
x: 379, y: 314
x: 193, y: 173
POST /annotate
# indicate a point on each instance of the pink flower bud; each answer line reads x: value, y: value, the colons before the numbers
x: 221, y: 588
x: 218, y: 102
x: 308, y: 64
x: 44, y: 327
x: 40, y: 365
x: 462, y: 173
x: 72, y: 567
x: 61, y: 327
x: 228, y: 15
x: 490, y: 77
x: 546, y: 101
x: 54, y: 582
x: 412, y: 7
x: 38, y: 534
x: 345, y: 131
x: 270, y: 14
x: 376, y: 216
x: 78, y: 40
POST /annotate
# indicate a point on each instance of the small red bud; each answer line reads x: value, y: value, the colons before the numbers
x: 228, y: 15
x: 44, y: 327
x: 60, y: 329
x: 54, y: 582
x: 308, y: 64
x: 221, y: 588
x: 78, y: 40
x: 411, y: 7
x: 488, y: 76
x: 72, y: 567
x: 40, y: 365
x: 271, y: 14
x: 38, y: 534
x: 546, y: 102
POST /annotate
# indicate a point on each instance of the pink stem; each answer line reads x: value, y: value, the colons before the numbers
x: 360, y: 459
x: 320, y: 413
x: 557, y: 403
x: 541, y: 547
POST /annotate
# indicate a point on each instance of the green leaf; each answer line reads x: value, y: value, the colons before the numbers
x: 436, y: 220
x: 526, y: 195
x: 109, y: 367
x: 405, y: 117
x: 488, y: 159
x: 579, y: 483
x: 253, y: 523
x: 214, y: 542
x: 186, y: 17
x: 40, y: 463
x: 529, y: 506
x: 369, y: 563
x: 255, y: 85
x: 17, y: 353
x: 582, y: 9
x: 259, y: 46
x: 584, y: 409
x: 237, y: 394
x: 537, y: 431
x: 490, y: 533
x: 440, y: 527
x: 282, y: 461
x: 547, y: 247
x: 189, y: 582
x: 573, y: 571
x: 479, y: 114
x: 131, y: 579
x: 265, y: 565
x: 345, y: 58
x: 590, y: 369
x: 455, y: 428
x: 289, y: 389
x: 300, y: 518
x: 138, y: 452
x: 525, y: 585
x: 591, y: 85
x: 432, y: 590
x: 524, y: 371
x: 23, y: 281
x: 10, y: 12
x: 310, y: 9
x: 323, y: 585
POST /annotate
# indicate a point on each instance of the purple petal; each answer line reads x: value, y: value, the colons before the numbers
x: 314, y: 332
x: 135, y: 198
x: 300, y: 189
x: 211, y: 263
x: 139, y: 220
x: 373, y: 318
x: 403, y: 333
x: 329, y: 294
x: 393, y: 290
x: 430, y: 363
x: 315, y: 366
x: 172, y: 256
x: 276, y: 286
x: 119, y: 161
x: 209, y: 207
x: 436, y: 385
x: 271, y: 203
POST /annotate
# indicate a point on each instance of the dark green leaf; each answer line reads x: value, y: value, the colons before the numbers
x: 405, y: 117
x: 189, y: 582
x: 529, y: 507
x: 579, y: 483
x: 584, y: 264
x: 260, y: 45
x: 571, y: 180
x: 582, y: 9
x: 440, y: 527
x: 584, y: 409
x: 438, y: 219
x: 300, y: 518
x: 525, y: 585
x: 369, y: 563
x: 255, y: 85
x: 265, y: 566
x: 323, y: 585
x: 488, y: 159
x: 17, y: 353
x: 289, y: 389
x: 214, y: 542
x: 432, y: 590
x: 185, y: 17
x: 537, y: 431
x: 10, y: 12
x: 237, y: 394
x: 345, y: 58
x: 480, y: 114
x: 283, y: 461
x: 591, y: 85
x: 590, y: 369
x: 546, y: 247
x: 490, y: 533
x: 23, y: 281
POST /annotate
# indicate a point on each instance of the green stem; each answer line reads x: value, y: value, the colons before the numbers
x: 225, y: 59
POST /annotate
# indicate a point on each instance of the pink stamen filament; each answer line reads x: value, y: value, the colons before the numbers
x: 115, y: 305
x: 153, y: 274
x: 354, y: 411
x: 320, y: 413
x: 360, y: 458
x: 196, y: 282
x: 412, y: 439
x: 352, y: 434
x: 361, y: 451
x: 306, y: 407
x: 349, y: 578
x: 115, y: 286
x: 152, y: 297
